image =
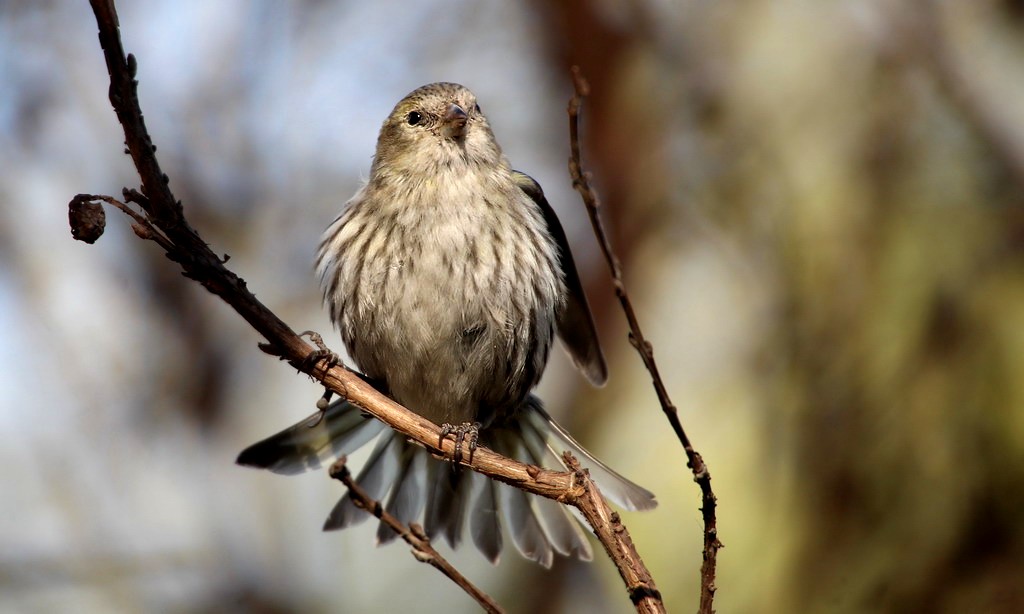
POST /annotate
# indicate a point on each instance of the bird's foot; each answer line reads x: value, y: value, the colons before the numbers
x: 321, y: 406
x: 467, y: 432
x: 322, y: 352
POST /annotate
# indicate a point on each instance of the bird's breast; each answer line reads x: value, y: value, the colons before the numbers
x: 452, y: 297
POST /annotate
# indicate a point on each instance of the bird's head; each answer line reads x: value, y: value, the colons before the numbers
x: 436, y: 126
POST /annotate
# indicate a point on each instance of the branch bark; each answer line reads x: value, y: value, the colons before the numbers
x: 163, y: 221
x: 413, y: 535
x: 615, y: 538
x: 581, y: 183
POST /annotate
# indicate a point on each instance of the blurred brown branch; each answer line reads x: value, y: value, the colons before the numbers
x: 701, y: 475
x: 922, y: 24
x: 164, y: 222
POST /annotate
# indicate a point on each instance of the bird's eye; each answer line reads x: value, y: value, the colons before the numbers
x: 414, y: 118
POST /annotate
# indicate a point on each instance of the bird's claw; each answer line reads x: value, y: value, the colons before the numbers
x: 470, y: 430
x: 322, y: 352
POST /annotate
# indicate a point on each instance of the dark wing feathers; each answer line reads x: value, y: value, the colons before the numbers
x: 575, y: 323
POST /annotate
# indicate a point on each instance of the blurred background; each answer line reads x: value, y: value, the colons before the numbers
x: 818, y: 206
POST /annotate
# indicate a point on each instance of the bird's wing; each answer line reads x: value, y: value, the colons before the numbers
x: 575, y: 323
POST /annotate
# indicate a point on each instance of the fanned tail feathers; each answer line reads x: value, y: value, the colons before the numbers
x: 410, y: 483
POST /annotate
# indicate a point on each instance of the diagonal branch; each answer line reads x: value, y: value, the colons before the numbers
x: 581, y: 182
x: 615, y: 538
x: 413, y: 535
x: 164, y: 223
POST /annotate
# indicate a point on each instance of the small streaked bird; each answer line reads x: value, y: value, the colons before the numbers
x: 449, y: 275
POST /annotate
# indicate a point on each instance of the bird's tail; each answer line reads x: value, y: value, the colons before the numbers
x: 317, y: 441
x: 411, y: 483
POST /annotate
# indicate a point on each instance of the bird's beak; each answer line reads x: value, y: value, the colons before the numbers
x: 454, y: 125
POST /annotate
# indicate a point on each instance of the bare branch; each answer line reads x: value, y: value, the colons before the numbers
x: 413, y: 535
x: 184, y: 246
x: 581, y: 183
x: 164, y: 223
x: 615, y: 538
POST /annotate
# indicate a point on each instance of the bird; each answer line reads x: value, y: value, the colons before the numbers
x: 448, y: 276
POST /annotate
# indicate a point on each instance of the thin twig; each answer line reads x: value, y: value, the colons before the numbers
x: 183, y: 245
x: 142, y: 227
x: 581, y: 183
x: 413, y: 535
